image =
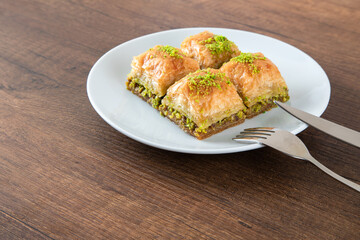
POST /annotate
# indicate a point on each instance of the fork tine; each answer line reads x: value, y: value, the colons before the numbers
x: 263, y: 129
x: 255, y: 132
x: 249, y: 136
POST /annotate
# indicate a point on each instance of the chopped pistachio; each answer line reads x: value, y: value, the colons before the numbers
x: 202, y: 83
x: 249, y: 59
x: 240, y: 114
x: 144, y: 93
x: 173, y: 52
x: 218, y: 44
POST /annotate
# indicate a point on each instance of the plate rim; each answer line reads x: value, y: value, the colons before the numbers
x: 249, y: 147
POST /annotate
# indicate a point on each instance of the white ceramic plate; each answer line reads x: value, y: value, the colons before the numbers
x: 309, y: 90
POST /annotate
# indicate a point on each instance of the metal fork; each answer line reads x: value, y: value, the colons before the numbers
x: 289, y: 144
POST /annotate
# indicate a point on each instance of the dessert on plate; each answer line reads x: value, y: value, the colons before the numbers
x: 257, y: 80
x: 203, y: 103
x: 210, y: 50
x: 155, y: 70
x: 208, y: 85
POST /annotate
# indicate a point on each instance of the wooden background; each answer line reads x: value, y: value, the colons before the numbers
x: 66, y: 174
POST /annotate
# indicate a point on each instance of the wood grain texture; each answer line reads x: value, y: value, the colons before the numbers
x: 66, y: 174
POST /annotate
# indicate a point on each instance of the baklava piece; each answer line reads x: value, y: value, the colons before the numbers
x: 155, y: 70
x: 210, y: 50
x: 203, y: 103
x: 257, y: 80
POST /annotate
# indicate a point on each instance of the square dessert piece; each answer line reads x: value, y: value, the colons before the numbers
x: 210, y: 50
x: 203, y: 103
x: 258, y: 81
x: 155, y: 70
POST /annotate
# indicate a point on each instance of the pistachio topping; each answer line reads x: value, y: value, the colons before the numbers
x: 249, y: 58
x: 172, y: 51
x: 202, y: 81
x: 218, y: 44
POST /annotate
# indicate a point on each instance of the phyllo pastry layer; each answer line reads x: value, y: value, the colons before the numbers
x: 155, y: 70
x: 210, y: 50
x: 258, y: 81
x: 203, y: 103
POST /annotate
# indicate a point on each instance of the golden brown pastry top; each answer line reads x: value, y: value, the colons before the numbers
x: 255, y: 77
x: 210, y: 50
x: 159, y: 67
x: 205, y: 96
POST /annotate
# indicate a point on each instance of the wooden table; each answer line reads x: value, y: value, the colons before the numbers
x: 66, y: 174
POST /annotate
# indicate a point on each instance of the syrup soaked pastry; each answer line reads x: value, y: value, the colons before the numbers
x: 155, y: 70
x: 257, y: 80
x: 203, y: 103
x: 210, y: 50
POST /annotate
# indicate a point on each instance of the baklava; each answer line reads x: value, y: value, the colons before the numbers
x: 210, y: 50
x: 155, y: 70
x: 257, y: 80
x: 203, y: 103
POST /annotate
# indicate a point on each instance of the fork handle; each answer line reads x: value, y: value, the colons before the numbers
x: 334, y: 175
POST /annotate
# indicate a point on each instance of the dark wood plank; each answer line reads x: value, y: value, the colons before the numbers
x: 12, y: 228
x: 66, y: 174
